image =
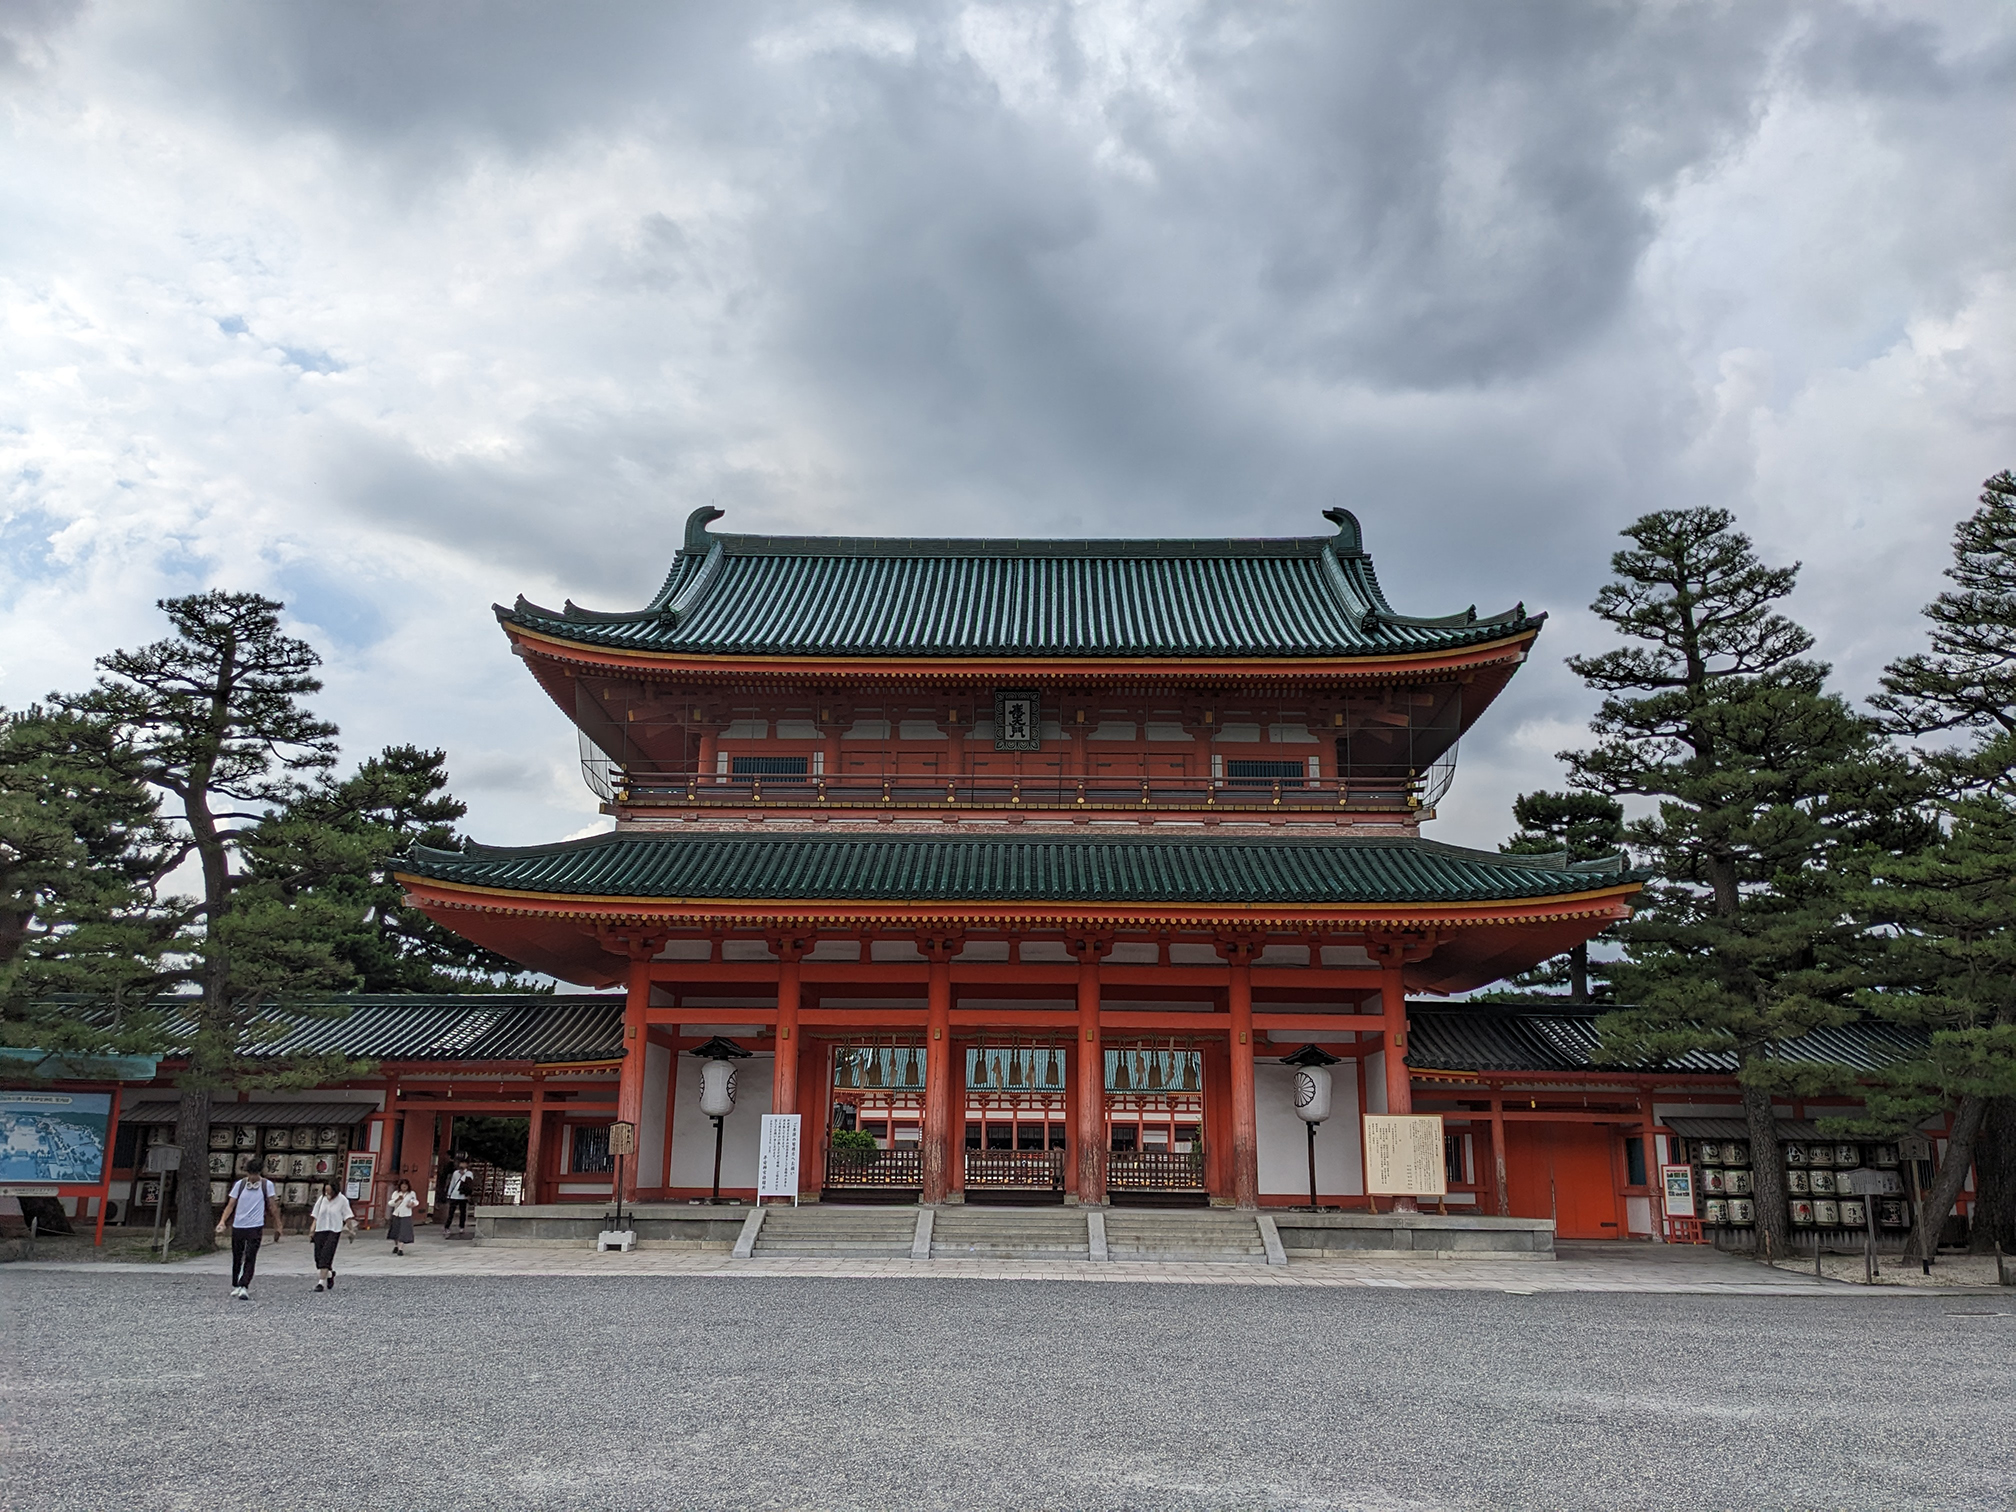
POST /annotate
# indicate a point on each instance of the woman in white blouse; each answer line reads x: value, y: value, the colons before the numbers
x: 400, y: 1207
x: 332, y: 1219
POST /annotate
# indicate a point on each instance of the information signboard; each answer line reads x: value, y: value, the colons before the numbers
x: 622, y: 1139
x: 56, y: 1138
x: 1869, y: 1183
x: 1403, y: 1155
x: 1678, y: 1184
x: 777, y: 1158
x: 360, y: 1169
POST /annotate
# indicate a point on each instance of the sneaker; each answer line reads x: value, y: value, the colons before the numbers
x: 320, y: 1287
x: 237, y: 1294
x: 332, y: 1280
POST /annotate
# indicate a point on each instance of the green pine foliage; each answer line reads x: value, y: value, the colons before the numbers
x: 1574, y: 827
x: 1761, y: 785
x: 1949, y: 913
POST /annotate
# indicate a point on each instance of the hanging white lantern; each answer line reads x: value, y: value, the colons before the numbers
x: 1312, y: 1093
x: 717, y: 1088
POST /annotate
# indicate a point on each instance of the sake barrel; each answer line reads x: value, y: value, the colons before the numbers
x: 1798, y: 1182
x: 1823, y: 1183
x: 1818, y: 1155
x: 1854, y: 1212
x: 300, y: 1167
x: 1712, y: 1180
x: 246, y: 1136
x: 1716, y: 1211
x: 1884, y: 1157
x: 296, y: 1194
x: 276, y: 1166
x: 1738, y: 1183
x: 1795, y: 1153
x: 325, y: 1166
x: 1708, y: 1152
x: 328, y: 1137
x: 220, y: 1136
x: 1893, y: 1212
x: 1826, y: 1212
x: 1802, y: 1212
x: 220, y: 1193
x: 1742, y: 1212
x: 1847, y: 1156
x: 1735, y: 1152
x: 220, y: 1163
x: 304, y: 1137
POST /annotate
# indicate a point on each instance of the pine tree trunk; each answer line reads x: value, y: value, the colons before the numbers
x: 1951, y: 1175
x: 193, y: 1217
x: 1578, y: 973
x: 1767, y: 1166
x: 1995, y: 1180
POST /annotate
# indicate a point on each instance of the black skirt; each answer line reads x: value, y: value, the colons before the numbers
x: 400, y: 1230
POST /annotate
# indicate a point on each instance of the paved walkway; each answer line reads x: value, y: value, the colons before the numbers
x: 1579, y: 1268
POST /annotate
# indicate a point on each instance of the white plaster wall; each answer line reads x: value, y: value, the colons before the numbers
x: 651, y: 1126
x: 1284, y: 1147
x: 693, y: 1131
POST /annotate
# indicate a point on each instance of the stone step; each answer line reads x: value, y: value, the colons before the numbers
x: 1202, y: 1235
x: 841, y: 1233
x: 997, y: 1235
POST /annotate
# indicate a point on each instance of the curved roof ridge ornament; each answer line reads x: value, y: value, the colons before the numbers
x: 689, y: 597
x: 698, y: 541
x: 1350, y: 540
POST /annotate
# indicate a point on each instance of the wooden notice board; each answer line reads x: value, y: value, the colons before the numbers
x: 1403, y: 1155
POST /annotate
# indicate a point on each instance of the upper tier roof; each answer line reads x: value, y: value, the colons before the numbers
x: 746, y: 595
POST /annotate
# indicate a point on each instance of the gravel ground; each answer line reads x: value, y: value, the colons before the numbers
x: 560, y: 1394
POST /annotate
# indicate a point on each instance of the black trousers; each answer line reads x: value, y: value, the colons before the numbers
x: 457, y: 1207
x: 325, y: 1249
x: 244, y: 1253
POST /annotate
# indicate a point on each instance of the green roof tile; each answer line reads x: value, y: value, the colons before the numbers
x: 1019, y: 868
x: 846, y: 596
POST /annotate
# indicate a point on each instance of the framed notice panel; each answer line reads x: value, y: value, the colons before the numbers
x: 1403, y: 1155
x: 360, y: 1168
x: 1678, y: 1183
x: 777, y: 1157
x: 56, y: 1138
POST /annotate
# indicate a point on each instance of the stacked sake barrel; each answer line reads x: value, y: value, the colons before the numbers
x: 1816, y: 1196
x: 1726, y: 1182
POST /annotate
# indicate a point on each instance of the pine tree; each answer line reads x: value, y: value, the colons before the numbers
x: 1763, y: 784
x: 1952, y: 962
x: 214, y: 719
x: 1579, y: 827
x: 83, y: 936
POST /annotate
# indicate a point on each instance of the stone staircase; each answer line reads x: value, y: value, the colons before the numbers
x: 982, y: 1233
x: 1194, y: 1234
x: 850, y: 1233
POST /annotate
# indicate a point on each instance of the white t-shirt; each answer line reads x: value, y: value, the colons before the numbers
x: 331, y: 1213
x: 404, y: 1204
x: 250, y: 1197
x: 459, y: 1184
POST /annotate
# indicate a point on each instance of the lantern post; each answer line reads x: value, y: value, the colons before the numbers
x: 1312, y: 1099
x: 717, y: 1093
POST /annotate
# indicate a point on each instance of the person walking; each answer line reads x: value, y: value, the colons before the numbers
x: 333, y: 1219
x: 399, y: 1210
x: 252, y: 1203
x: 459, y: 1184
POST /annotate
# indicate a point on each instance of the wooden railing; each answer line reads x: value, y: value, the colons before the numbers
x: 899, y: 1169
x: 1024, y: 1170
x: 1155, y: 1171
x: 1140, y: 794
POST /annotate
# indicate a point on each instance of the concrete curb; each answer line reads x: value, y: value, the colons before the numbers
x: 1095, y: 1235
x: 920, y: 1244
x: 745, y: 1243
x: 1271, y: 1237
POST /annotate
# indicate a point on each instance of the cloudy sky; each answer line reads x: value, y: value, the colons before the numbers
x: 396, y: 310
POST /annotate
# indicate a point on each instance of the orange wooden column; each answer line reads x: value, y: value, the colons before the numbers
x: 1498, y: 1155
x: 784, y: 1075
x: 1245, y: 1118
x: 1393, y: 1007
x: 630, y: 1089
x: 1090, y: 1060
x: 937, y: 1153
x: 535, y: 1138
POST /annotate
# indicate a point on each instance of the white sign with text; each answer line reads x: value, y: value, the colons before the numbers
x: 777, y: 1160
x: 1403, y: 1155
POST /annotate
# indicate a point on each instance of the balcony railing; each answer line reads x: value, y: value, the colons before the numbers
x: 884, y: 1170
x: 1155, y: 1171
x: 1142, y: 795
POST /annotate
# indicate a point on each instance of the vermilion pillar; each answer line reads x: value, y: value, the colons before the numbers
x: 1393, y: 1007
x: 937, y: 1152
x: 784, y: 1076
x: 535, y: 1139
x: 1090, y: 1135
x: 630, y: 1090
x: 1245, y: 1120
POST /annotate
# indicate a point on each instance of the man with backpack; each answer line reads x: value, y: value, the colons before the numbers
x: 252, y: 1204
x: 458, y: 1196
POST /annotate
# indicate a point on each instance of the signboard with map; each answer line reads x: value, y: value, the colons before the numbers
x: 53, y: 1138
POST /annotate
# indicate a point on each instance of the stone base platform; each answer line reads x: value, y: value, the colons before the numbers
x: 573, y: 1225
x: 1426, y: 1236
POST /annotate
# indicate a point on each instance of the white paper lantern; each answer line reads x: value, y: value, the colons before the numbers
x: 1312, y: 1093
x: 717, y: 1088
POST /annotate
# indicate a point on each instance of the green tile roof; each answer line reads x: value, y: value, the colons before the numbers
x: 746, y: 595
x: 1017, y: 868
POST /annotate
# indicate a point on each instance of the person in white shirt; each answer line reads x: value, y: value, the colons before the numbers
x: 332, y: 1220
x: 459, y: 1184
x: 253, y: 1202
x: 400, y: 1206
